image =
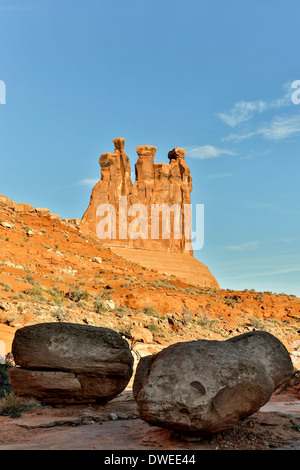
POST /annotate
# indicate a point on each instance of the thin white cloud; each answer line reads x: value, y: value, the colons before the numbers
x: 244, y: 246
x: 207, y: 151
x: 281, y: 127
x: 89, y: 182
x: 243, y: 111
x: 271, y: 272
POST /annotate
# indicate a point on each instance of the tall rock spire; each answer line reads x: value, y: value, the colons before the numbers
x: 115, y: 182
x: 158, y: 187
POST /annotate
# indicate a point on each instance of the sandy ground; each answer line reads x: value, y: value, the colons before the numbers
x: 275, y: 426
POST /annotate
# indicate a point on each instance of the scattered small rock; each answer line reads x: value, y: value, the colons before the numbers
x: 113, y: 416
x: 7, y: 225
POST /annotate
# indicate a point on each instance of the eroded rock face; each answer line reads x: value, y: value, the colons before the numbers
x: 70, y: 363
x: 202, y: 387
x: 156, y: 183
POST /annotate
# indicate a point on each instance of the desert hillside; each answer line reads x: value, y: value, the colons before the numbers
x: 51, y: 271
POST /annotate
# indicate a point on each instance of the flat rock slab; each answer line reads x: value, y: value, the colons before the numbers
x: 287, y: 407
x: 41, y: 422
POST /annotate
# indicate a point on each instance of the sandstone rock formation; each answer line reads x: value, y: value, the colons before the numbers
x: 156, y: 183
x: 151, y: 215
x: 17, y: 206
x: 70, y: 363
x: 202, y: 387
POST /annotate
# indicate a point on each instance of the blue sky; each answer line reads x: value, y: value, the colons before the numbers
x: 210, y: 76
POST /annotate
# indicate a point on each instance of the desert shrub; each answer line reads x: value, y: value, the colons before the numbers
x: 57, y: 297
x: 260, y: 296
x: 82, y: 303
x: 230, y: 303
x: 205, y: 321
x: 60, y: 314
x: 153, y: 327
x: 76, y: 294
x: 257, y: 323
x: 28, y: 278
x: 126, y: 284
x: 11, y: 406
x: 37, y: 294
x: 99, y: 305
x: 5, y: 286
x: 5, y: 386
x: 186, y: 317
x: 151, y: 311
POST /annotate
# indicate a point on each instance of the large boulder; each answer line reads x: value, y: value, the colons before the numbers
x: 202, y: 387
x: 269, y: 351
x: 70, y: 363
